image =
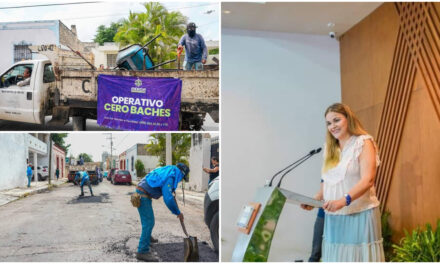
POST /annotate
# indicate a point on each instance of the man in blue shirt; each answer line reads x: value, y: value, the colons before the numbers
x: 29, y: 174
x: 196, y: 51
x: 83, y: 176
x: 162, y: 181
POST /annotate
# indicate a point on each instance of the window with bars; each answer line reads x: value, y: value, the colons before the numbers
x: 22, y: 52
x: 111, y: 60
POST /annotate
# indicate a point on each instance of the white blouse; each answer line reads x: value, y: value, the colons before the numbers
x: 342, y: 178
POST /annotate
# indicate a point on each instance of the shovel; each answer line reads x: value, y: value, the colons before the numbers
x: 190, y: 246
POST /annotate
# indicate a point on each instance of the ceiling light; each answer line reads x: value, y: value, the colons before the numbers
x: 226, y: 11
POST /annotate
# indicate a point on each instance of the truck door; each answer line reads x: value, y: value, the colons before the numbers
x: 41, y: 86
x: 16, y: 93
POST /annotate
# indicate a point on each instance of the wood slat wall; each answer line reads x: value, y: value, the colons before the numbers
x: 412, y: 63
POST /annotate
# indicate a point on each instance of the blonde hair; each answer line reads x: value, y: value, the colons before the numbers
x: 332, y: 150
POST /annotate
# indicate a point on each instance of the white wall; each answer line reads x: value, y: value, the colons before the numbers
x: 199, y: 158
x: 150, y: 163
x: 275, y: 89
x: 35, y: 33
x: 100, y: 53
x: 13, y: 156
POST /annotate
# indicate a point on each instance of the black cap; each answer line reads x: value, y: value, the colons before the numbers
x: 191, y: 24
x: 184, y: 169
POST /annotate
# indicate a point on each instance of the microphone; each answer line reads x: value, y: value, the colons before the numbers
x: 312, y: 152
x: 299, y: 162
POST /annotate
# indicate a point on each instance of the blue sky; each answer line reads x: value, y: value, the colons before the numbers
x: 88, y: 17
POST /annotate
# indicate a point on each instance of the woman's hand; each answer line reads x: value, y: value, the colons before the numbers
x: 317, y: 196
x: 334, y: 205
x: 307, y: 207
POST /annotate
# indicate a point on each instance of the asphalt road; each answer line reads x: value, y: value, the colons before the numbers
x: 57, y: 225
x: 91, y: 125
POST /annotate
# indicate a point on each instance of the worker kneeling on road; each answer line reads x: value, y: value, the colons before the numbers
x: 83, y: 176
x: 161, y: 181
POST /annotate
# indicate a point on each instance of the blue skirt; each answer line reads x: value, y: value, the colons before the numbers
x: 353, y: 238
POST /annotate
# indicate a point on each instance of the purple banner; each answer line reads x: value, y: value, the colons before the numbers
x: 139, y: 103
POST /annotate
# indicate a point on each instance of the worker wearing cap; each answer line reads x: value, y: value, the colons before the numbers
x: 162, y: 181
x: 85, y: 179
x: 196, y: 51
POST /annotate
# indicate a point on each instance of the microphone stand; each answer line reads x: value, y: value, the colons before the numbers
x: 304, y: 159
x: 300, y: 160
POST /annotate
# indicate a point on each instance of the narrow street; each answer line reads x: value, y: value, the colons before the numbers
x: 57, y: 225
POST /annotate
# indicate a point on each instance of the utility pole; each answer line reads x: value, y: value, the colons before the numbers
x: 111, y: 150
x: 168, y: 156
x: 50, y: 157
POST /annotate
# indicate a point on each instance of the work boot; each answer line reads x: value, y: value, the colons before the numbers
x: 148, y: 257
x: 81, y: 195
x: 153, y: 240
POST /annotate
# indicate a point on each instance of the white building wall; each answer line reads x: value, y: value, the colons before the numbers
x: 131, y: 152
x: 275, y: 89
x: 150, y: 162
x: 100, y: 53
x: 35, y: 33
x: 199, y: 158
x: 13, y: 165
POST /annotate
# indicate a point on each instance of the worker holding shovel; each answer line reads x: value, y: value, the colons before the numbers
x: 83, y: 176
x: 162, y: 181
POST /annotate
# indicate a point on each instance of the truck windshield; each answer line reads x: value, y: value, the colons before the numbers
x: 16, y: 74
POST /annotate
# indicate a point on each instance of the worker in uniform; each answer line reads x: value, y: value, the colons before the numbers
x: 162, y: 181
x: 196, y: 51
x: 29, y: 174
x: 83, y: 176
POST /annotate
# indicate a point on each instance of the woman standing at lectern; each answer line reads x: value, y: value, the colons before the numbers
x: 352, y: 228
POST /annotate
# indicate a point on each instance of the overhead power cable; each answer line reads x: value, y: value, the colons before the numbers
x: 60, y: 4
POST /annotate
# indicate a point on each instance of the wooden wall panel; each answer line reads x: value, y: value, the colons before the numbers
x: 361, y: 89
x: 414, y: 196
x: 402, y: 109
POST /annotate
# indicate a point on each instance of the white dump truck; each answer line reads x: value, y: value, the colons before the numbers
x: 65, y: 85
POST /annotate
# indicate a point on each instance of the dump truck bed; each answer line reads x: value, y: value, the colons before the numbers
x: 82, y: 85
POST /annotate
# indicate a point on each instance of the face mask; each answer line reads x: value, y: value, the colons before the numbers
x: 185, y: 178
x: 191, y: 32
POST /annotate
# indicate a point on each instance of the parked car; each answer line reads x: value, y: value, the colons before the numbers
x: 211, y: 210
x: 42, y: 172
x: 121, y: 176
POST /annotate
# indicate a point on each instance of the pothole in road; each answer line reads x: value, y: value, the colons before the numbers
x: 101, y: 198
x: 170, y: 250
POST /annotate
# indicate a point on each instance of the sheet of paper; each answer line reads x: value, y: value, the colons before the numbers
x: 297, y: 198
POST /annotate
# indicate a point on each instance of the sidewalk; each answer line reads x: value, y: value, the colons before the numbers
x: 190, y: 195
x: 7, y: 196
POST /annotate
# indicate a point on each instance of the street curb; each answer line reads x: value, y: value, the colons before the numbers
x: 12, y: 197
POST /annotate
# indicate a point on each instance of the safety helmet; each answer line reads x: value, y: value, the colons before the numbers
x: 184, y: 169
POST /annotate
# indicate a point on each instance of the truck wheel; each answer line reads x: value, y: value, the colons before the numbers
x: 213, y: 228
x: 78, y: 123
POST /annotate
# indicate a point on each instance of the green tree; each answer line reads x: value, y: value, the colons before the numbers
x: 214, y: 51
x: 106, y: 34
x: 58, y: 138
x: 86, y: 157
x: 140, y: 168
x: 180, y: 146
x: 139, y: 28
